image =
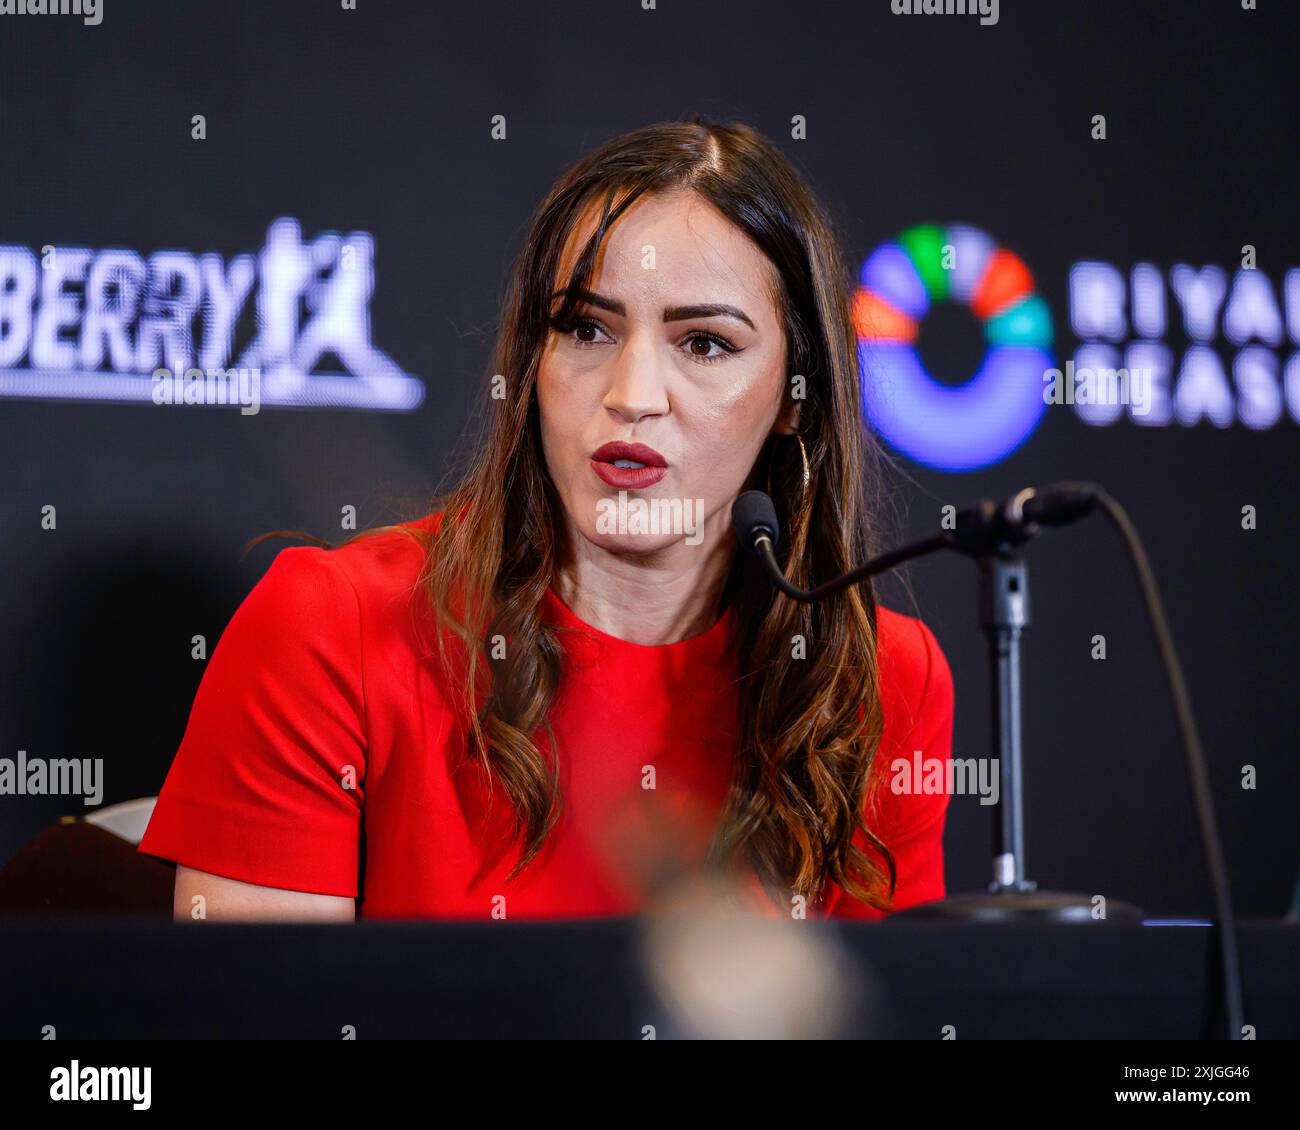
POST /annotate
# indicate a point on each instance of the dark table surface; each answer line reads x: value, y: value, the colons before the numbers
x: 124, y: 980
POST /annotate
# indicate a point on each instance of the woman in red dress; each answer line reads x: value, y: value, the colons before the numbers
x: 563, y: 689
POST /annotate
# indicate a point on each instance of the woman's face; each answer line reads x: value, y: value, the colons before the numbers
x: 678, y: 346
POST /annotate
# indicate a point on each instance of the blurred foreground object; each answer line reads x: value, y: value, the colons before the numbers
x: 726, y: 972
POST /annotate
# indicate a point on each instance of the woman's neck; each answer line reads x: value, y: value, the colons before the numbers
x: 653, y: 599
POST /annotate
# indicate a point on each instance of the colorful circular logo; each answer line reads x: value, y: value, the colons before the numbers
x: 951, y: 427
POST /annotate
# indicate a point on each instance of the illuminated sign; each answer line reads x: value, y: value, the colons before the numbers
x: 1122, y: 323
x: 1239, y: 364
x: 951, y: 427
x: 97, y: 325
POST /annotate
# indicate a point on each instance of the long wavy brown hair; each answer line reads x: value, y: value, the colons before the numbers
x: 808, y: 727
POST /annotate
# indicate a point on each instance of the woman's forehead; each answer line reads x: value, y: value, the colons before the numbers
x: 681, y: 236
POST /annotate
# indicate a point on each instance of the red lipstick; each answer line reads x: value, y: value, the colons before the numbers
x: 651, y: 466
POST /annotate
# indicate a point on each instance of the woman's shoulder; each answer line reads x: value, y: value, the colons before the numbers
x: 384, y: 562
x: 321, y: 594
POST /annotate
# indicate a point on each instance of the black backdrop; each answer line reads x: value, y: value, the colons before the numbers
x: 379, y: 120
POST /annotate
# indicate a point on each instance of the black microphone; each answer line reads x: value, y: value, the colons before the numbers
x: 1060, y: 503
x: 752, y: 514
x: 981, y: 529
x: 753, y: 518
x: 984, y: 527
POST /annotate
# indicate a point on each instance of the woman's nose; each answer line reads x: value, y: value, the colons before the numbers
x: 638, y: 384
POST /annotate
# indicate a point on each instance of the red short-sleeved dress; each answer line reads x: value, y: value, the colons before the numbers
x: 322, y: 755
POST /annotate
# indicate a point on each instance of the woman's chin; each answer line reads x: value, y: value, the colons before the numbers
x: 631, y: 544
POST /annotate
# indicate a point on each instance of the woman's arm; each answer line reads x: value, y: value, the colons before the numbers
x: 229, y: 900
x: 261, y: 809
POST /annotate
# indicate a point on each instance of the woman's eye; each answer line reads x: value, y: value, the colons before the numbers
x: 701, y: 345
x: 578, y: 329
x: 586, y: 326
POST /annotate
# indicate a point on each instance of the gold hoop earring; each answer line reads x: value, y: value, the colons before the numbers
x: 807, y: 474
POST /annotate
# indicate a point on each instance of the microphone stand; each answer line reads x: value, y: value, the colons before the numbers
x: 990, y: 534
x: 1004, y: 616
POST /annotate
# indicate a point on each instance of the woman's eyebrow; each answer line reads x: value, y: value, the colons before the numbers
x: 671, y: 314
x: 708, y: 310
